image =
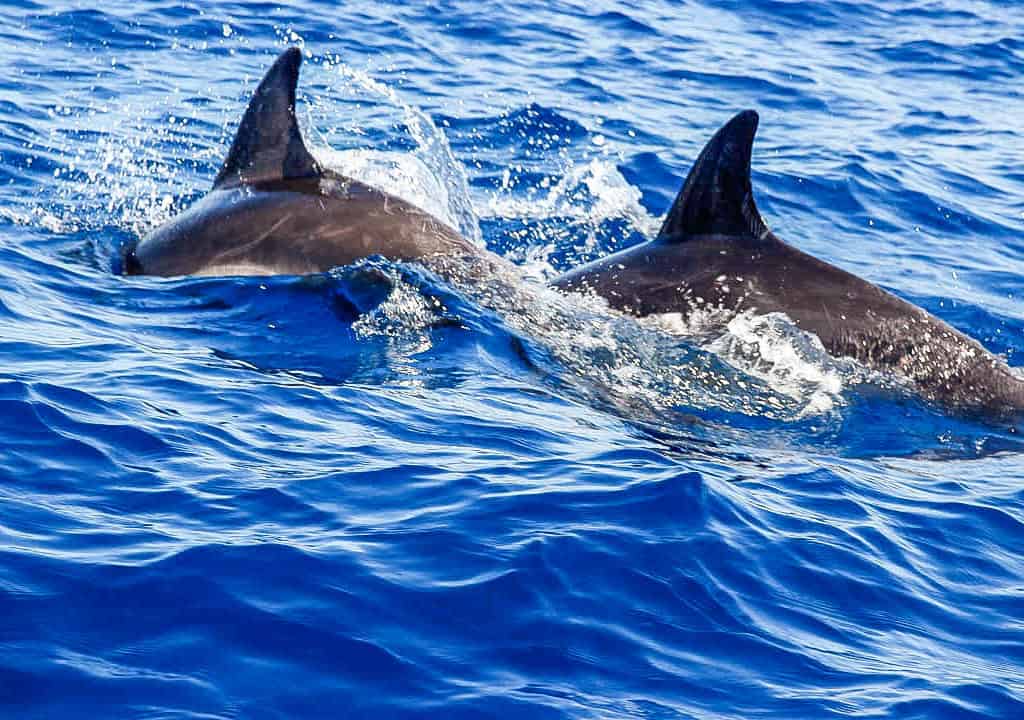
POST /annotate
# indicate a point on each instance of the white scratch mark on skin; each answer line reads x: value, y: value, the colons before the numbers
x: 252, y: 243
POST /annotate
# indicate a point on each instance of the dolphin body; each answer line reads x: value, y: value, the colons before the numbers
x: 715, y: 252
x: 274, y: 210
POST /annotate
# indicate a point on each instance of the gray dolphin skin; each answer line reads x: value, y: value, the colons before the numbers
x: 714, y: 251
x: 273, y: 210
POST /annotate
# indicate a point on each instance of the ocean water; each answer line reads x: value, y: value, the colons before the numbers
x: 378, y: 493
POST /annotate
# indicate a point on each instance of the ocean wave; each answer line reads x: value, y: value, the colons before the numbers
x: 420, y: 490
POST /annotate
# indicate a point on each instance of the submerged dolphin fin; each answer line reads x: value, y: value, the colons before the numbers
x: 716, y: 198
x: 268, y: 145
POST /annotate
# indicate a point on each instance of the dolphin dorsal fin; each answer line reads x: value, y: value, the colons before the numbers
x: 716, y: 198
x: 268, y: 145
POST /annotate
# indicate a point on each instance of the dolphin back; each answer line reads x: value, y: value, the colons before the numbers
x: 268, y: 145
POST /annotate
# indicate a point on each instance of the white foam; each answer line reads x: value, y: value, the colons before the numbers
x: 792, y: 362
x: 696, y: 324
x: 403, y: 321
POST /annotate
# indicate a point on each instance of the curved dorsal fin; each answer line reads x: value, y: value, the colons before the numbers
x: 716, y: 198
x: 268, y: 145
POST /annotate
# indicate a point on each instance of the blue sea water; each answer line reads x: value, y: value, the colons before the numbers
x: 380, y: 493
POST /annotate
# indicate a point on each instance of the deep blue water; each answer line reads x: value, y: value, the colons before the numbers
x: 382, y: 494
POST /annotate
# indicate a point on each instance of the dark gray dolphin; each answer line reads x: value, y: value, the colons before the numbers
x: 714, y: 251
x: 274, y: 211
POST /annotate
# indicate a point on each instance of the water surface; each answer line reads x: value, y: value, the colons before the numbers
x: 378, y: 493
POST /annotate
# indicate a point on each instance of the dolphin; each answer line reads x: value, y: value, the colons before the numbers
x: 715, y: 252
x: 274, y: 210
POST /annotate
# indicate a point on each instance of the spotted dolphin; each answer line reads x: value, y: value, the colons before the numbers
x: 715, y: 252
x: 274, y: 210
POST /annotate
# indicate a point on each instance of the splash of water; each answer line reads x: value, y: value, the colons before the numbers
x: 404, y: 175
x: 434, y: 180
x: 590, y: 192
